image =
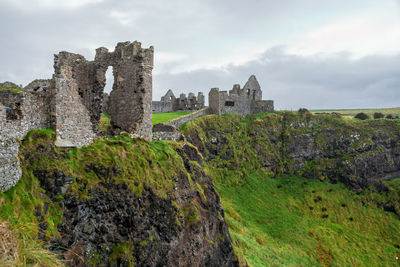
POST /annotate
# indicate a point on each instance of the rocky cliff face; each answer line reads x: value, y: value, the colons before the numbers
x: 357, y: 153
x: 126, y: 201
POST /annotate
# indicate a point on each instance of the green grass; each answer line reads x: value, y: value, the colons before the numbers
x: 275, y: 226
x: 272, y: 221
x: 120, y: 159
x: 15, y: 90
x: 17, y: 207
x: 139, y: 163
x: 165, y: 117
x: 353, y: 112
x: 105, y: 122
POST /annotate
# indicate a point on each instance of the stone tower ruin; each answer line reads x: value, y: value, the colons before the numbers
x: 79, y: 88
x: 72, y: 101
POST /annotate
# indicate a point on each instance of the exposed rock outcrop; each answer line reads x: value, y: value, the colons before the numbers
x: 358, y: 154
x: 114, y: 220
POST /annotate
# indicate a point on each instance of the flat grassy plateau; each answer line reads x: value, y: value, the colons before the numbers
x: 353, y: 112
x: 165, y: 117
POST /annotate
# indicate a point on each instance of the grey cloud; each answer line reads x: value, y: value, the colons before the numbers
x: 312, y: 82
x: 199, y: 29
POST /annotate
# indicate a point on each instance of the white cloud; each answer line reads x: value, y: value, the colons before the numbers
x: 201, y: 44
x: 124, y: 18
x: 360, y: 36
x: 34, y: 4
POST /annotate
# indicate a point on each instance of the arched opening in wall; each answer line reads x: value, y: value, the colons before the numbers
x: 105, y: 120
x: 109, y: 80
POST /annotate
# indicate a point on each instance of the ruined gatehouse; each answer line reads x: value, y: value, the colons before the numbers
x: 71, y: 102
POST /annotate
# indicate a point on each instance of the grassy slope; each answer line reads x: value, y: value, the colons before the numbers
x: 352, y: 112
x: 132, y: 156
x: 275, y: 226
x: 277, y: 222
x: 165, y: 117
x: 17, y: 208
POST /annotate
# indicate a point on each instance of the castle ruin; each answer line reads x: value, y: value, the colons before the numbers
x: 170, y: 103
x: 240, y: 101
x: 71, y: 102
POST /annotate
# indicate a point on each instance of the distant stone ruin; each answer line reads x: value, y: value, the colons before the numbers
x: 241, y: 101
x: 72, y: 101
x: 169, y: 103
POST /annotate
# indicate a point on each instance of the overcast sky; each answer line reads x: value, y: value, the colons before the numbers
x: 304, y: 53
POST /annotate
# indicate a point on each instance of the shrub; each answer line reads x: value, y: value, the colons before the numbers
x: 378, y: 115
x: 304, y: 111
x: 389, y: 116
x: 361, y: 116
x: 336, y: 114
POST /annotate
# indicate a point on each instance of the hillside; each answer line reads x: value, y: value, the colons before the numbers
x: 277, y: 218
x: 117, y: 202
x: 294, y: 189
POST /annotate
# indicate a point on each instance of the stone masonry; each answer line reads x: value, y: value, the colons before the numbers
x: 72, y: 101
x: 170, y: 103
x: 241, y: 101
x: 80, y: 84
x: 20, y: 111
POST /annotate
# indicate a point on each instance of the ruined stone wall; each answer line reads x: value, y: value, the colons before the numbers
x: 162, y: 107
x: 213, y: 101
x: 73, y: 123
x: 262, y: 106
x: 235, y: 103
x: 131, y: 97
x: 9, y: 84
x: 200, y: 100
x: 79, y: 93
x: 222, y: 103
x: 163, y: 131
x: 10, y: 171
x: 178, y: 122
x: 169, y: 103
x: 240, y: 101
x: 39, y: 85
x: 252, y: 88
x: 34, y: 112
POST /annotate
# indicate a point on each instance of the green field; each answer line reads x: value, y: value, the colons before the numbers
x: 302, y: 222
x: 353, y: 112
x: 165, y: 117
x: 157, y: 118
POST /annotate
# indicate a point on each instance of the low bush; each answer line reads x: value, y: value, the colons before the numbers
x: 378, y: 115
x: 361, y: 116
